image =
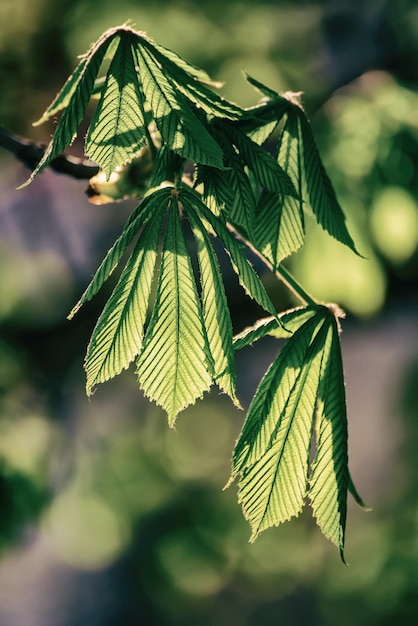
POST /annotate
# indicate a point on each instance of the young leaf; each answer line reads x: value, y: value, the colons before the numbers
x: 180, y: 127
x: 272, y: 452
x: 215, y: 310
x: 117, y: 337
x: 74, y: 97
x: 114, y: 255
x: 117, y: 130
x: 246, y: 275
x: 329, y: 478
x: 174, y: 367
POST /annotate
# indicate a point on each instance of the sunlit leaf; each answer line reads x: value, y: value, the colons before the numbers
x: 74, y: 99
x: 215, y: 310
x: 175, y: 366
x: 117, y: 337
x: 180, y: 127
x: 290, y: 322
x: 116, y: 252
x: 117, y: 130
x: 272, y: 452
x: 329, y: 478
x: 246, y: 275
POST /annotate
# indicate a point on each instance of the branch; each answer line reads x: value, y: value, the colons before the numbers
x: 30, y: 154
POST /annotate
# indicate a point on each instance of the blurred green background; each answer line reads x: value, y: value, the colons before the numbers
x: 109, y: 517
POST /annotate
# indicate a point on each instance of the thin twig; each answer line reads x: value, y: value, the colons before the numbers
x: 30, y: 153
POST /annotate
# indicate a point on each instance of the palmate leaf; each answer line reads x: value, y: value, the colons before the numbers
x: 180, y: 127
x: 175, y: 366
x: 272, y: 452
x: 246, y: 275
x: 329, y: 478
x: 215, y: 310
x: 114, y: 255
x: 303, y: 388
x: 117, y: 130
x: 117, y: 337
x: 74, y: 98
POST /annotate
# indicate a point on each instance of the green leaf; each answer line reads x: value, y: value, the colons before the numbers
x: 192, y: 82
x: 74, y: 98
x: 117, y: 337
x: 329, y: 478
x: 180, y: 127
x: 272, y: 452
x: 284, y: 211
x: 320, y: 192
x: 174, y: 367
x: 114, y: 255
x: 246, y: 275
x: 265, y: 169
x: 278, y: 229
x: 215, y: 310
x: 291, y: 321
x: 117, y: 131
x: 217, y: 192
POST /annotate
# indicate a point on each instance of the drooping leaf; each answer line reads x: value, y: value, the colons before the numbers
x: 320, y: 192
x: 114, y: 255
x: 329, y: 477
x: 74, y: 98
x: 272, y: 452
x: 215, y: 310
x: 246, y: 275
x: 117, y: 131
x: 175, y: 366
x: 117, y: 337
x: 180, y: 127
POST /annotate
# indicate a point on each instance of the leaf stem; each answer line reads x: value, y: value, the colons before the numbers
x: 281, y: 272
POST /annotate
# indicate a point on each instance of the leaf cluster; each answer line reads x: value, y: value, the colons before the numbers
x: 255, y: 172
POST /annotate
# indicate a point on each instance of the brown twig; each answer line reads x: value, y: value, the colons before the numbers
x: 30, y: 154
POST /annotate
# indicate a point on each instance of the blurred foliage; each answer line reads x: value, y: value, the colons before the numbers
x: 106, y: 484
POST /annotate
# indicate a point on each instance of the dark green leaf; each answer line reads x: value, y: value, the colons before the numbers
x: 320, y: 192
